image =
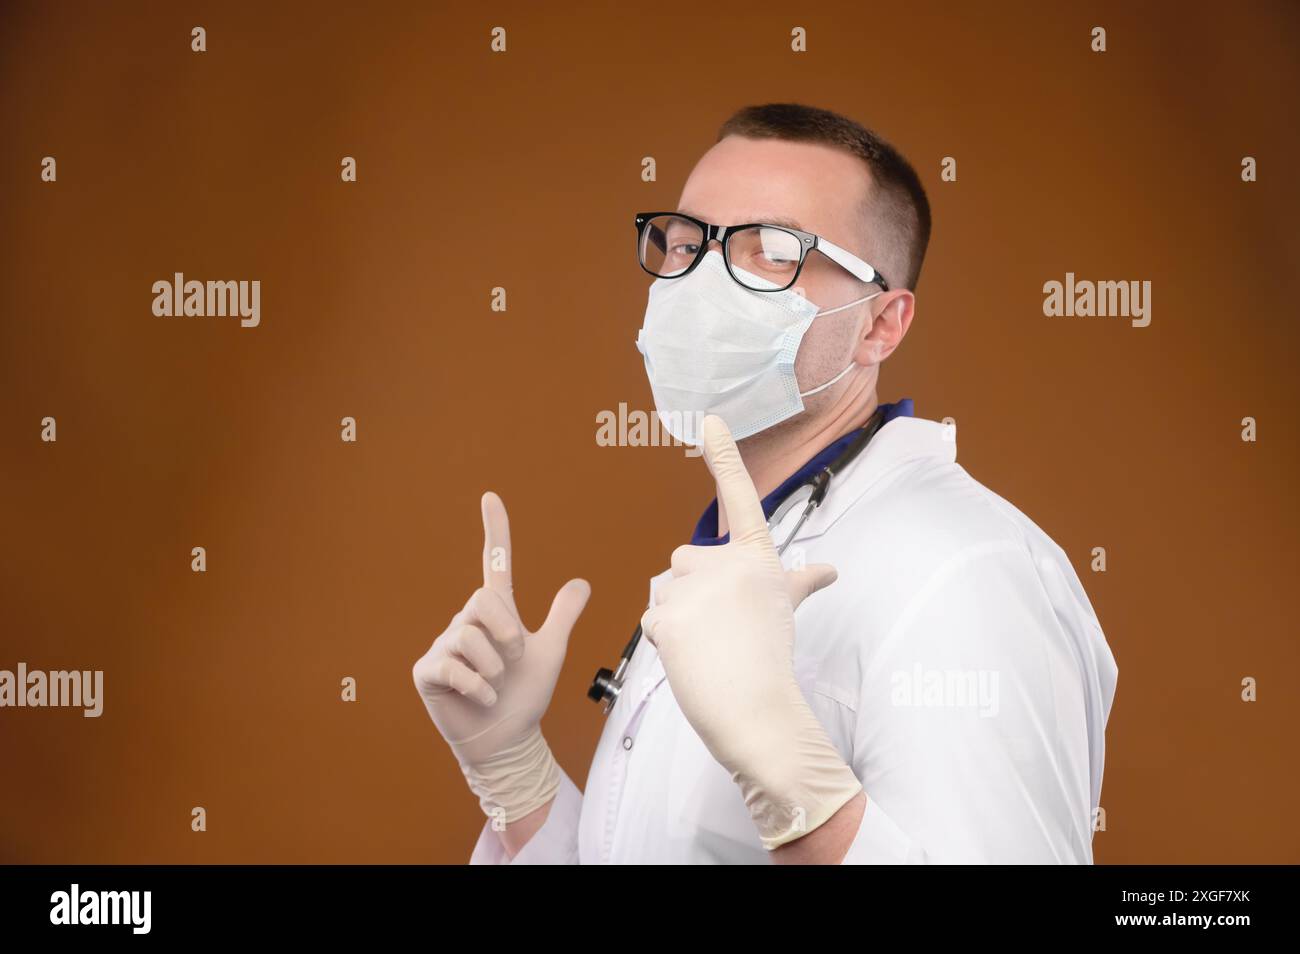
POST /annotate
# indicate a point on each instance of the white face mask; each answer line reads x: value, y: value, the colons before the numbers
x: 713, y: 347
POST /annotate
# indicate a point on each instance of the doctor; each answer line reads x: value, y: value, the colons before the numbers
x: 916, y: 677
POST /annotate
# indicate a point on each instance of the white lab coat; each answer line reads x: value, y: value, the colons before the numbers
x: 956, y: 664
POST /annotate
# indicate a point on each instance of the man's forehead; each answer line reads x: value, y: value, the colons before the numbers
x: 809, y: 186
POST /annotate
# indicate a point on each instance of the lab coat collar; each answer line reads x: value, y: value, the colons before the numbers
x: 706, y: 529
x: 903, y: 440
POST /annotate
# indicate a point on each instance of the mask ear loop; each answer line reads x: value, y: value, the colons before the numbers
x: 822, y: 314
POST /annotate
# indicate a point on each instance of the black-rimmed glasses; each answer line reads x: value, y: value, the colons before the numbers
x: 759, y: 257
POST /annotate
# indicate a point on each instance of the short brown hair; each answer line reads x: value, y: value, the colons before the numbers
x: 896, y: 203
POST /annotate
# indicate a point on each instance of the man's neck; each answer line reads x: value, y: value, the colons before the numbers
x: 772, y: 456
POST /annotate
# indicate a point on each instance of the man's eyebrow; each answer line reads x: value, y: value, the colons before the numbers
x: 757, y: 219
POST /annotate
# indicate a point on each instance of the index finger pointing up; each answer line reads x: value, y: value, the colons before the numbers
x: 496, y: 546
x: 736, y: 493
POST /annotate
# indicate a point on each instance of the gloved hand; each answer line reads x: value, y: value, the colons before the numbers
x: 486, y: 681
x: 724, y: 628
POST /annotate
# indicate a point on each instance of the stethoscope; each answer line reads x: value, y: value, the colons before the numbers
x: 607, y: 684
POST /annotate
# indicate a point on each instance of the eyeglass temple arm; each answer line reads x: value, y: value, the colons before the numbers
x: 855, y: 266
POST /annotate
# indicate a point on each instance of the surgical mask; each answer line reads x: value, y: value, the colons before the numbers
x: 713, y: 347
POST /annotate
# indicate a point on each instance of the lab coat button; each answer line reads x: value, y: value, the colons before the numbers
x: 627, y: 741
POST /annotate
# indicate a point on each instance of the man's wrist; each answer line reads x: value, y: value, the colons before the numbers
x: 797, y: 783
x: 515, y: 835
x: 517, y: 781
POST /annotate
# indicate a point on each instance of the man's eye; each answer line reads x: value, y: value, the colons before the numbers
x: 685, y: 249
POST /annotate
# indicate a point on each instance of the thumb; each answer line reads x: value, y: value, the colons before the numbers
x: 567, y: 606
x: 802, y: 583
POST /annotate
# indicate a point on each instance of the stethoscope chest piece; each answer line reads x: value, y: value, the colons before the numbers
x: 608, y: 683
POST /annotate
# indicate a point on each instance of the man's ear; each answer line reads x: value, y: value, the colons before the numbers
x: 893, y: 316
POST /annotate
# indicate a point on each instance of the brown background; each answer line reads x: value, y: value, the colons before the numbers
x: 522, y: 170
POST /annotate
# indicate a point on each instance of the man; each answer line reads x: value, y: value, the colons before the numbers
x: 946, y: 695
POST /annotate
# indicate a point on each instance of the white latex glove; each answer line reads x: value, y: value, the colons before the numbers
x: 724, y: 628
x: 486, y: 681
